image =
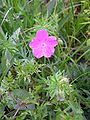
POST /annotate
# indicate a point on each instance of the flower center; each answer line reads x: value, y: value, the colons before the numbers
x: 43, y: 44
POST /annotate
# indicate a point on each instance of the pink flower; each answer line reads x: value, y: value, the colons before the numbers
x: 42, y: 44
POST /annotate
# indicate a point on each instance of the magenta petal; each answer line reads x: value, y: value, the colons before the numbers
x: 52, y: 41
x: 49, y: 51
x: 42, y: 34
x: 38, y: 53
x: 34, y: 43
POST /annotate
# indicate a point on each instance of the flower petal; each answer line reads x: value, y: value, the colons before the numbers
x: 42, y: 34
x: 48, y: 52
x: 34, y: 43
x: 51, y: 41
x: 37, y: 52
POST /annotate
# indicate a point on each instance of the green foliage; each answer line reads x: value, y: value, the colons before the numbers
x: 45, y: 89
x: 59, y: 87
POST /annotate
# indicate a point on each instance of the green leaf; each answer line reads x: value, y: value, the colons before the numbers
x: 1, y: 110
x: 21, y: 116
x: 88, y: 42
x: 63, y: 21
x: 50, y: 7
x: 20, y: 93
x: 2, y: 35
